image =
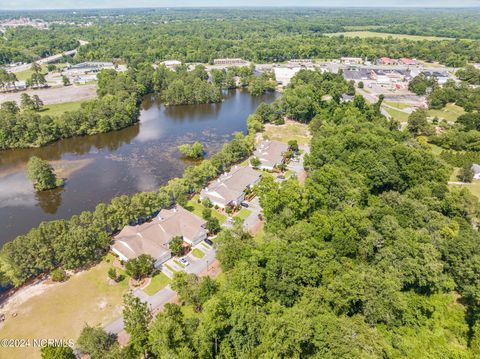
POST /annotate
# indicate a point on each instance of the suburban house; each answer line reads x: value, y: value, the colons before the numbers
x: 270, y: 153
x: 229, y: 188
x: 153, y: 237
x: 407, y: 61
x: 386, y: 61
x: 476, y: 171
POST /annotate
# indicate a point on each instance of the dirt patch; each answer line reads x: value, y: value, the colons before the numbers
x: 10, y: 304
x: 54, y: 95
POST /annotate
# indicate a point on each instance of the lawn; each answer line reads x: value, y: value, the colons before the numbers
x: 397, y: 115
x: 197, y: 208
x: 450, y: 112
x: 288, y: 131
x: 198, y: 253
x: 474, y: 187
x: 383, y: 35
x: 400, y: 105
x: 170, y: 268
x: 60, y: 108
x: 243, y: 214
x: 26, y: 74
x: 180, y: 264
x: 159, y: 281
x: 62, y: 310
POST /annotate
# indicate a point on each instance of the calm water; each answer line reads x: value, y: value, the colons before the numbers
x: 139, y: 158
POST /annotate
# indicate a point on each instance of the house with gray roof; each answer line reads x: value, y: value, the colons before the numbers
x: 229, y: 188
x: 153, y: 237
x: 270, y: 153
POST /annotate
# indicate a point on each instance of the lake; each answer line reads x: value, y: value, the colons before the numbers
x: 142, y: 157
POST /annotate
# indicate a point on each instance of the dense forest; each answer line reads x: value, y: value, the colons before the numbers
x: 373, y: 257
x: 261, y: 36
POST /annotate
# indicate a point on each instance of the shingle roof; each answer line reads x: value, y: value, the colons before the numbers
x: 230, y: 186
x: 152, y: 237
x: 270, y: 152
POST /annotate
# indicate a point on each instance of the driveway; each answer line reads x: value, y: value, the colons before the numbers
x: 252, y: 220
x: 165, y: 295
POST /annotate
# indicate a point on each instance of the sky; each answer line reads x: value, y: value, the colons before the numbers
x: 76, y: 4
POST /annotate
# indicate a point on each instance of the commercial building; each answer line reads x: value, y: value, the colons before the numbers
x: 231, y: 62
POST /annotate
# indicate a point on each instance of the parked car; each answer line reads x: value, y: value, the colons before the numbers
x: 184, y: 261
x: 244, y: 204
x: 208, y: 241
x: 281, y: 177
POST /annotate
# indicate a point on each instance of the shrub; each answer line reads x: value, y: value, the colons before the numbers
x: 59, y: 275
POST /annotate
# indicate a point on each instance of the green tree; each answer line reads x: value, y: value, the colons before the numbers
x: 57, y: 352
x: 65, y: 81
x: 418, y: 123
x: 140, y: 267
x: 176, y: 246
x: 41, y: 174
x: 193, y: 151
x: 466, y: 173
x: 95, y: 341
x: 136, y: 317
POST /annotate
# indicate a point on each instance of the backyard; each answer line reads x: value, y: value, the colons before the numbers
x: 197, y: 208
x: 62, y: 310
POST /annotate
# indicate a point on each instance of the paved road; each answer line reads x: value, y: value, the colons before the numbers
x: 166, y: 294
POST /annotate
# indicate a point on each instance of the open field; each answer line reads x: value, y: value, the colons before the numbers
x: 55, y: 95
x: 60, y: 108
x: 62, y: 310
x: 289, y: 131
x: 368, y: 34
x: 397, y: 114
x: 197, y: 208
x: 400, y: 105
x: 450, y: 112
x: 159, y: 281
x: 26, y: 74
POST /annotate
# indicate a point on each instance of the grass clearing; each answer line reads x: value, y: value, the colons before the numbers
x: 63, y: 310
x: 243, y: 214
x: 158, y: 282
x: 26, y: 74
x: 58, y: 109
x: 397, y: 114
x: 385, y: 35
x: 474, y: 187
x: 198, y: 253
x: 400, y: 105
x: 197, y: 208
x: 450, y: 112
x: 288, y: 131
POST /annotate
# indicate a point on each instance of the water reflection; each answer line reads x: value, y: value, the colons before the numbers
x: 50, y: 201
x: 139, y: 158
